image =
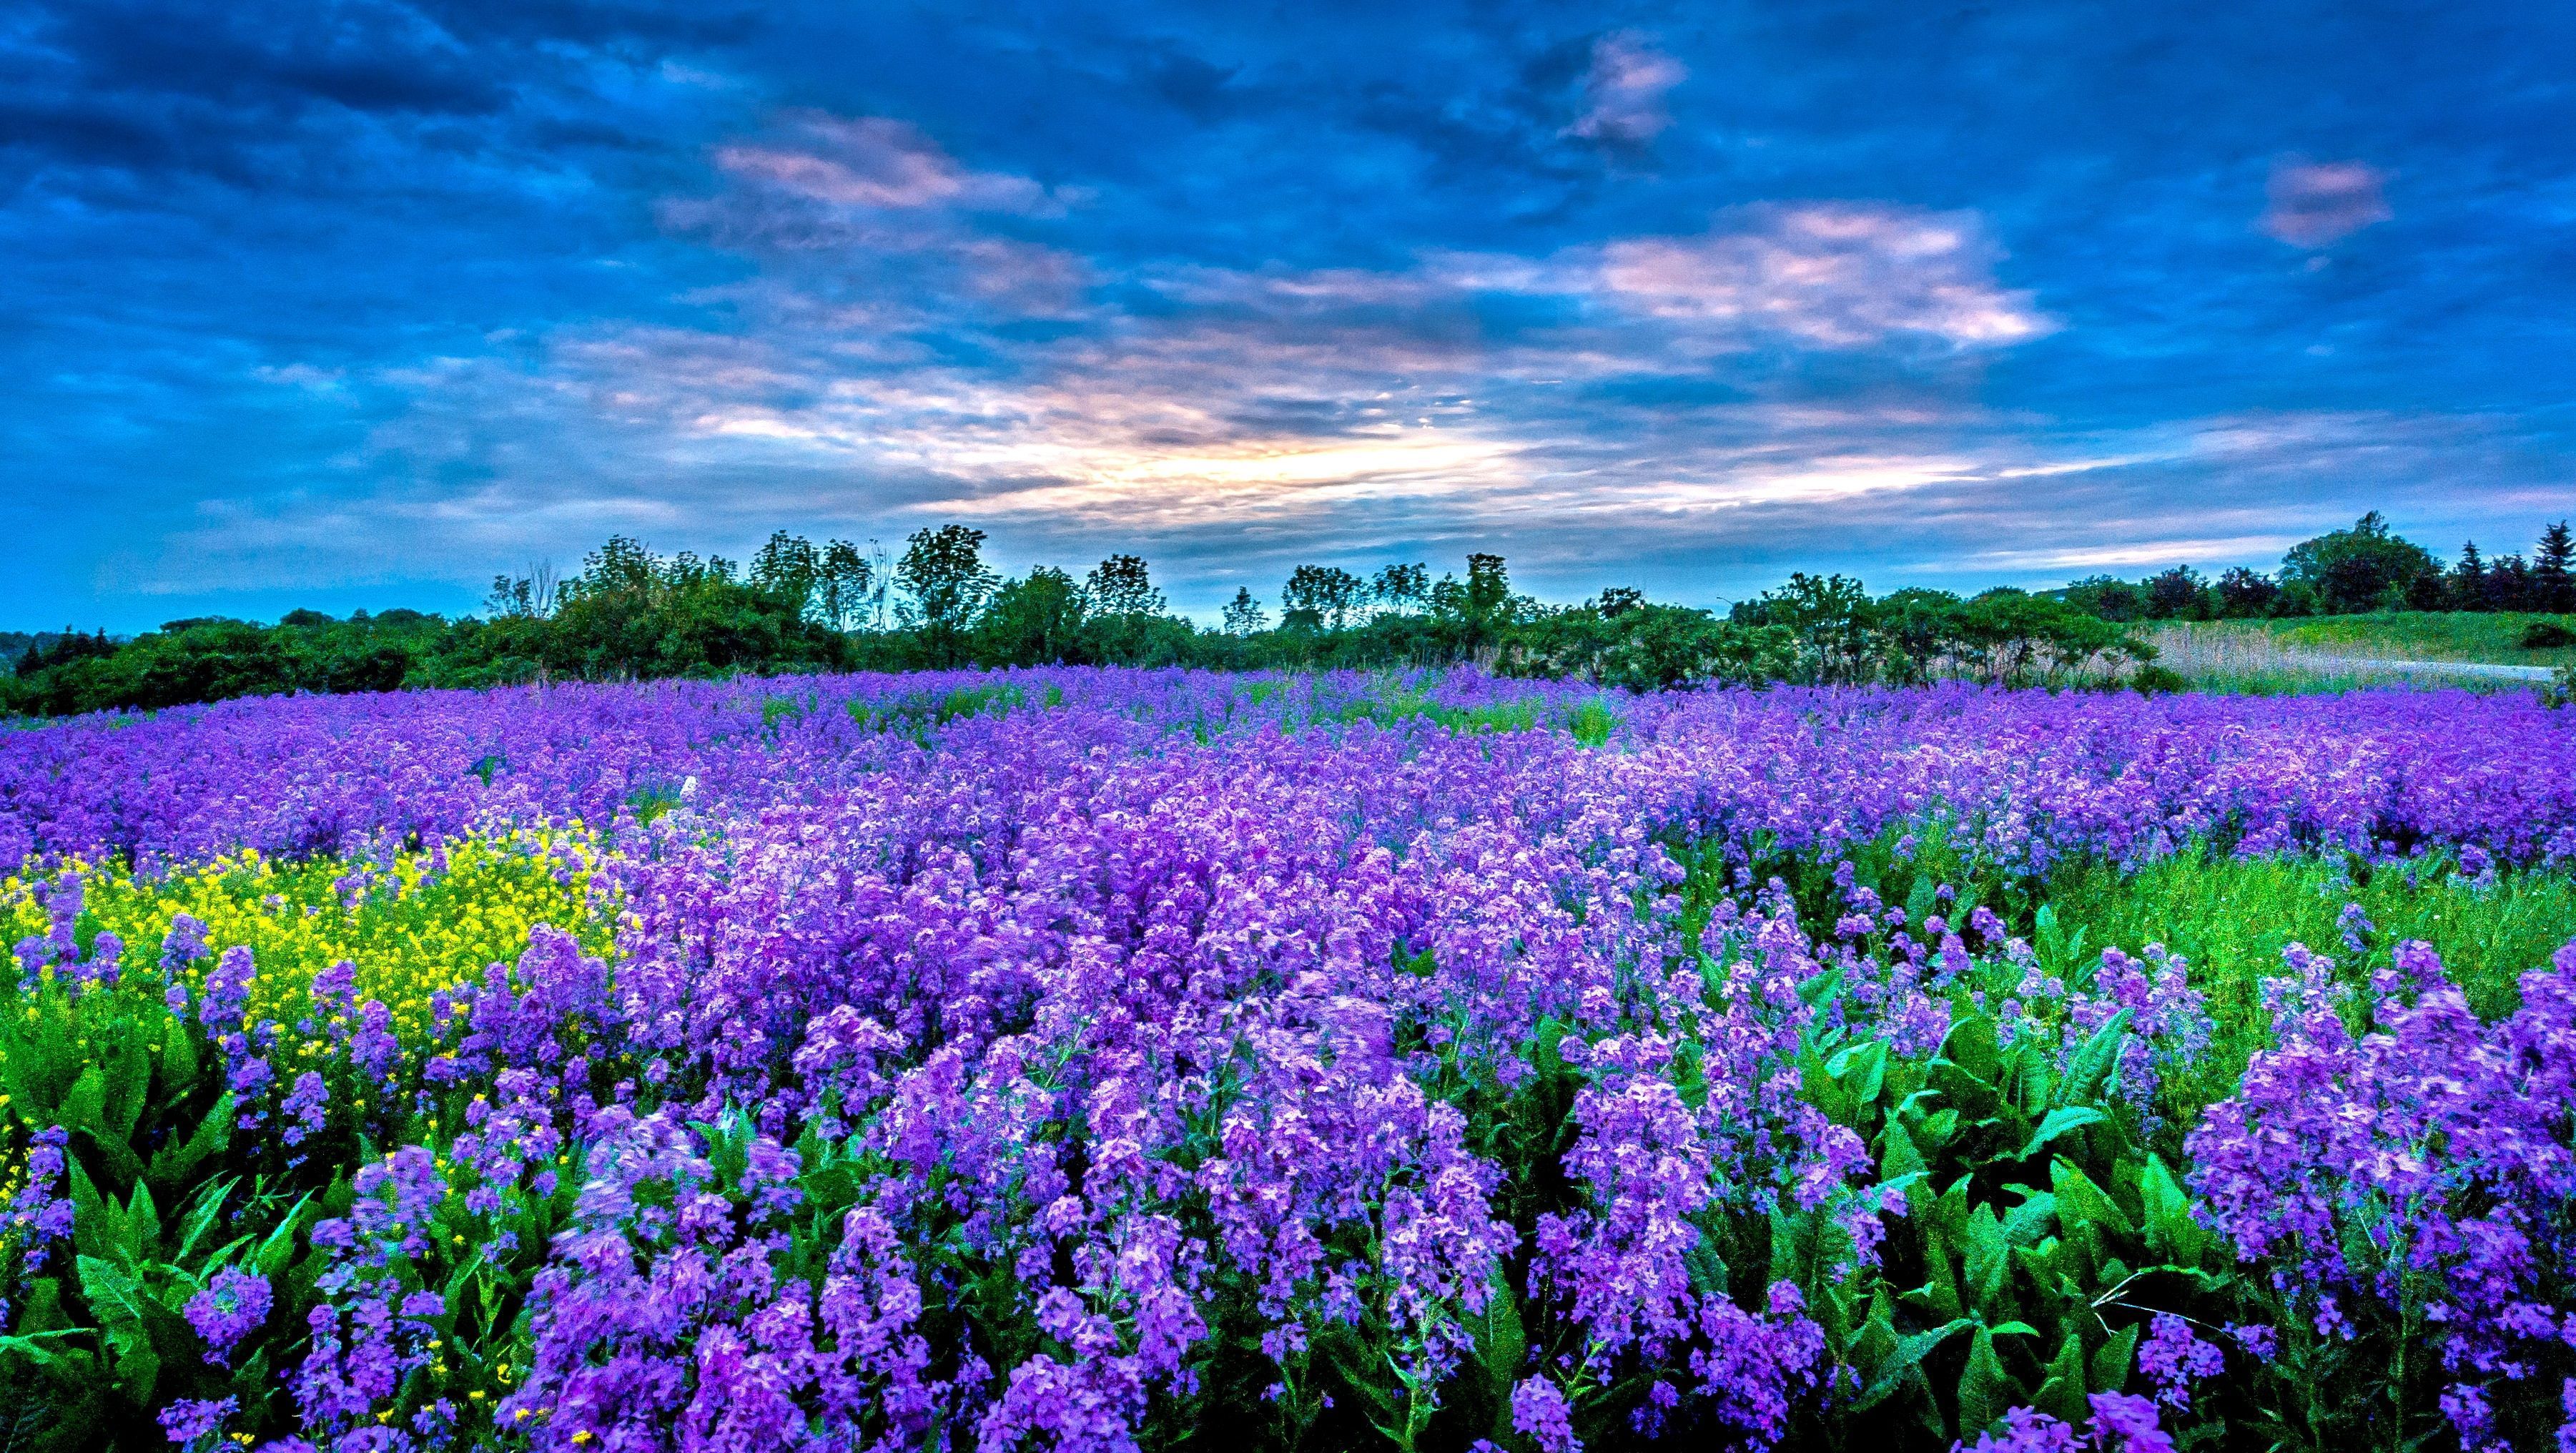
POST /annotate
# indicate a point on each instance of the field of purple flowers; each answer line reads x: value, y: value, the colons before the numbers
x: 1077, y: 1059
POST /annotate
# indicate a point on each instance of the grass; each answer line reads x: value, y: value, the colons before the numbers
x: 2231, y: 918
x: 2331, y: 653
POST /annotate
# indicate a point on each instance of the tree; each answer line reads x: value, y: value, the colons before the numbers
x: 1320, y: 597
x: 1036, y: 620
x: 2177, y: 594
x: 2468, y: 583
x: 2553, y: 586
x: 945, y: 581
x: 1401, y: 589
x: 2107, y: 596
x: 1244, y: 615
x: 787, y: 570
x: 2244, y: 593
x: 2508, y: 583
x: 847, y: 578
x: 1619, y: 600
x: 2359, y: 569
x: 1120, y: 586
x: 1489, y: 587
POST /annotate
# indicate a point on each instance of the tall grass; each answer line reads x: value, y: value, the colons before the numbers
x: 2280, y: 657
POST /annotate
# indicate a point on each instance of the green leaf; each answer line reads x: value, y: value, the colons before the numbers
x: 1909, y: 1354
x: 172, y: 1163
x: 142, y: 1227
x: 118, y: 1300
x: 83, y: 1108
x: 2061, y: 1395
x: 2112, y: 1360
x: 2091, y: 1068
x: 1987, y: 1263
x: 98, y: 1224
x: 2059, y: 1122
x: 1502, y: 1347
x: 32, y: 1345
x: 1972, y: 1049
x: 2171, y: 1232
x: 178, y: 1056
x: 123, y: 1166
x: 2030, y: 1221
x: 1986, y: 1390
x: 128, y: 1074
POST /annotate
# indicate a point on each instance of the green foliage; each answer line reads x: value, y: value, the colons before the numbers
x: 2040, y: 1231
x: 156, y: 1211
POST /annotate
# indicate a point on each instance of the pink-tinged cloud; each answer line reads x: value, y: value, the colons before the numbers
x: 872, y: 161
x: 2316, y: 204
x: 1838, y: 276
x: 1623, y: 92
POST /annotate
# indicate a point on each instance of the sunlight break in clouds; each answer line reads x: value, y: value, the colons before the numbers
x: 2316, y: 204
x: 1258, y: 393
x: 1624, y: 91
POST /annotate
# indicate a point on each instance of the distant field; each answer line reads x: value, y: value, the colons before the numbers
x: 2341, y: 652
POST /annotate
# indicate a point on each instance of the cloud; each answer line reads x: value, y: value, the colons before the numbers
x: 1835, y: 276
x: 1624, y: 91
x: 873, y: 162
x: 2316, y: 204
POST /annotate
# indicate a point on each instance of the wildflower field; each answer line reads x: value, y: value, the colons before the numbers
x: 1092, y: 1059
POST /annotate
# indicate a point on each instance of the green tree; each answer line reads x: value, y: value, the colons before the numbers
x: 1122, y: 586
x: 847, y: 579
x: 1404, y: 589
x: 2552, y: 583
x: 2245, y: 594
x: 1244, y: 615
x: 944, y: 582
x: 1320, y: 598
x: 1036, y: 620
x: 788, y: 570
x: 2360, y: 569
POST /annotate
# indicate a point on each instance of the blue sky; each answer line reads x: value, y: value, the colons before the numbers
x: 357, y: 303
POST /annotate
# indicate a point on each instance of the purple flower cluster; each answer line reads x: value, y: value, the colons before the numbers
x: 2121, y: 1424
x: 2423, y: 1170
x: 2040, y: 775
x: 233, y: 1305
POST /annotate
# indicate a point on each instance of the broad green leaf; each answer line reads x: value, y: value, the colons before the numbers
x: 172, y: 1164
x: 2059, y: 1122
x: 1987, y: 1263
x: 1502, y: 1347
x: 2111, y: 1362
x: 82, y: 1108
x: 1986, y: 1390
x: 2031, y: 1220
x: 142, y: 1227
x: 2091, y: 1067
x: 1909, y: 1354
x: 2171, y: 1232
x: 2061, y: 1394
x: 178, y: 1056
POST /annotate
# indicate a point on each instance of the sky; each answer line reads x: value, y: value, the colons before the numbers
x: 347, y: 303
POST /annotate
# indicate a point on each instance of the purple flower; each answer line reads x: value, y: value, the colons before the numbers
x: 1540, y: 1413
x: 232, y: 1307
x: 2172, y: 1359
x: 190, y: 1420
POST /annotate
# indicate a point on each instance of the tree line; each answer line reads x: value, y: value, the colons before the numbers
x: 2367, y: 567
x: 795, y: 606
